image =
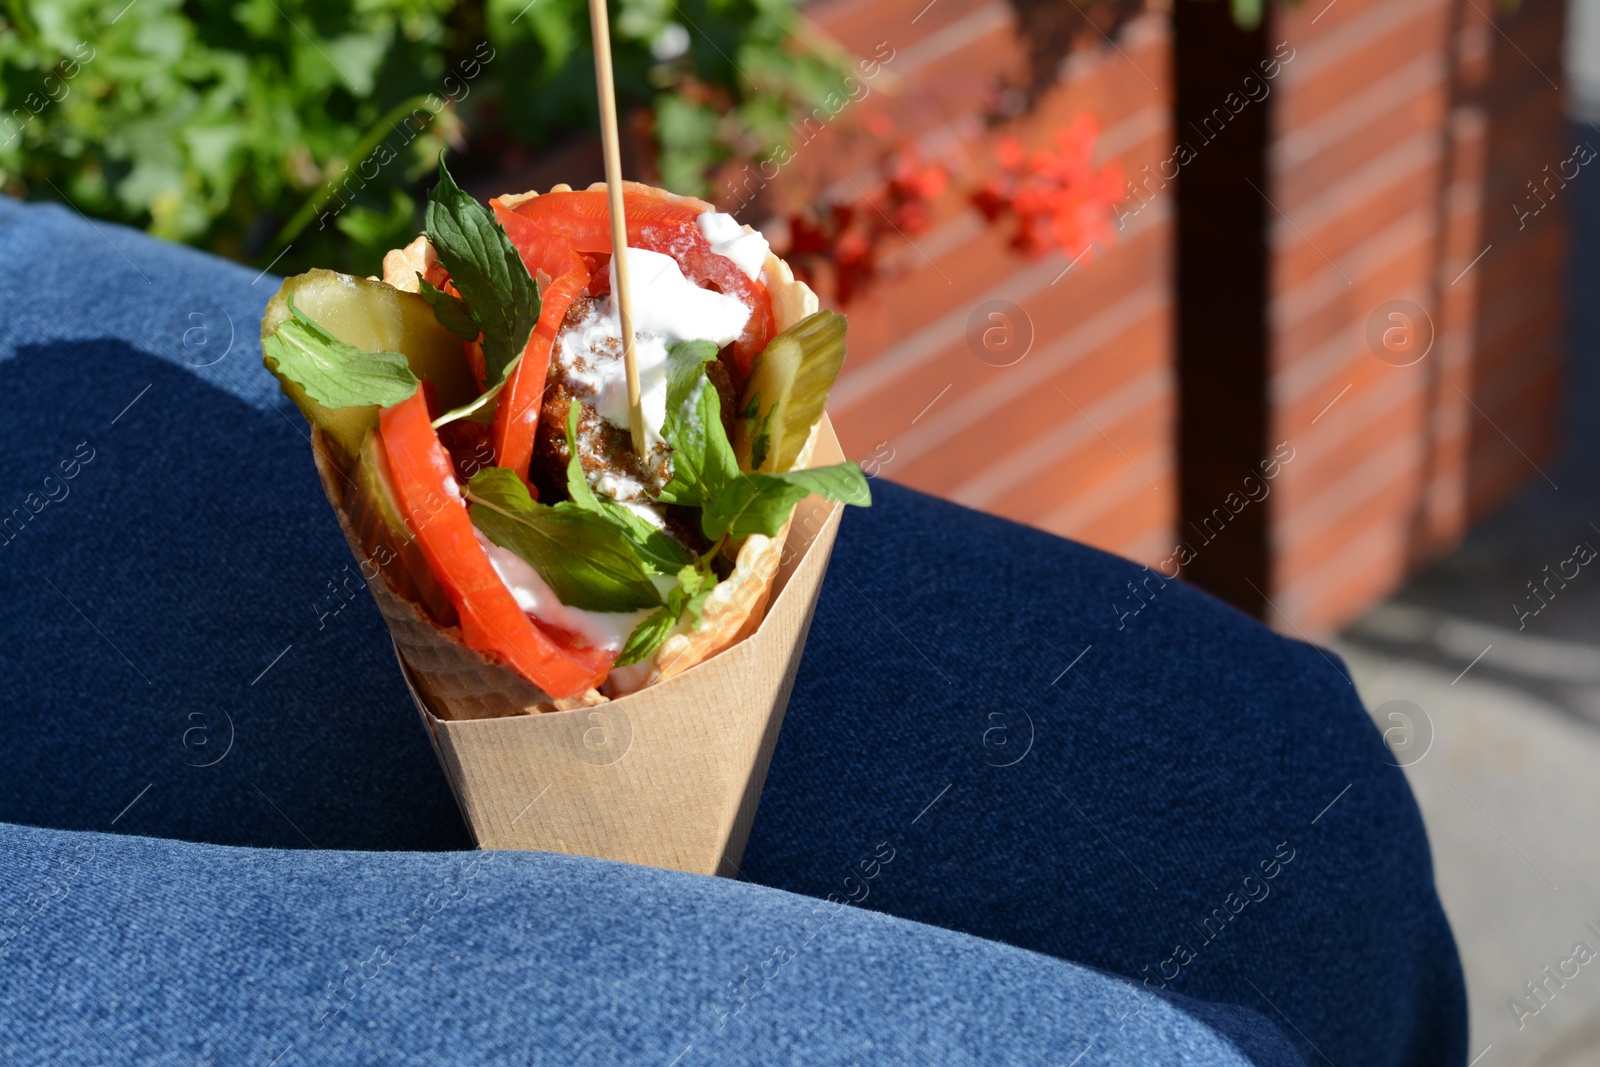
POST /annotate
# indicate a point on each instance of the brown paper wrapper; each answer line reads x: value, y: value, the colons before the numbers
x: 668, y: 776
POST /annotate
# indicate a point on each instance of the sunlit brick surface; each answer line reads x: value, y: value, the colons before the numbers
x: 1405, y: 133
x: 1076, y: 437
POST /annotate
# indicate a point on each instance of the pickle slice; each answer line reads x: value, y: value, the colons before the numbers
x: 787, y: 391
x: 387, y: 544
x: 373, y: 317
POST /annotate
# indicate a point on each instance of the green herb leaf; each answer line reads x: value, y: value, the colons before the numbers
x: 584, y: 558
x: 696, y: 602
x: 691, y: 580
x: 451, y: 311
x: 332, y: 373
x: 842, y: 481
x: 655, y: 547
x: 756, y: 503
x: 647, y: 637
x: 577, y: 485
x: 486, y: 269
x: 695, y: 582
x: 701, y: 455
x: 761, y: 502
x: 705, y: 472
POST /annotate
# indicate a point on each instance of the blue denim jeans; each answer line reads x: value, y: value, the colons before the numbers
x: 1032, y: 803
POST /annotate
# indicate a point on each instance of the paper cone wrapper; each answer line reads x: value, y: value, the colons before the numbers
x: 668, y: 776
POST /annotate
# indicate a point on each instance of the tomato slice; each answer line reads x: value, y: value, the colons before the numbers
x: 701, y: 265
x: 583, y: 217
x: 583, y: 220
x: 421, y: 474
x: 517, y: 414
x: 545, y: 249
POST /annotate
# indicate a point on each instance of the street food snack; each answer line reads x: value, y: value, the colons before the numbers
x: 471, y: 426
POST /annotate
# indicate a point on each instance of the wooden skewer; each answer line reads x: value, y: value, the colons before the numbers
x: 600, y: 29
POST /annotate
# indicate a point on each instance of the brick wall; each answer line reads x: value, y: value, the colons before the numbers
x: 1404, y: 132
x: 1402, y: 135
x: 1075, y: 437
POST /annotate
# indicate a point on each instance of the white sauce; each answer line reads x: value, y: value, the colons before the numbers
x: 747, y: 250
x: 618, y: 486
x: 602, y: 629
x: 667, y: 308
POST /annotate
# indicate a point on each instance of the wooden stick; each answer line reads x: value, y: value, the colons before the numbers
x: 600, y: 29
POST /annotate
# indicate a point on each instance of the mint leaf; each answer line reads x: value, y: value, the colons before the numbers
x: 332, y: 373
x: 696, y: 602
x: 841, y: 481
x: 756, y: 503
x: 691, y: 580
x: 688, y: 598
x: 705, y: 473
x: 451, y: 312
x: 486, y: 270
x: 761, y: 502
x: 647, y: 637
x: 585, y: 559
x: 686, y: 369
x: 702, y: 458
x: 654, y: 546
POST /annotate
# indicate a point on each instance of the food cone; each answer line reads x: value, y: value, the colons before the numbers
x: 668, y: 776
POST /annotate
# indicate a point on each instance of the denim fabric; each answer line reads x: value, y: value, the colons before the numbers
x: 1145, y: 783
x: 147, y: 951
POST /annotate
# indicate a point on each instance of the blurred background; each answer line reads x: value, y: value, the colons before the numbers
x: 1299, y: 301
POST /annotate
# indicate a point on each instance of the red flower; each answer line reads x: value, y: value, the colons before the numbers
x: 848, y: 238
x: 1060, y: 199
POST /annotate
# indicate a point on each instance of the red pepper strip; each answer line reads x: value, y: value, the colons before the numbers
x: 583, y: 220
x: 517, y: 414
x: 491, y: 622
x: 439, y: 278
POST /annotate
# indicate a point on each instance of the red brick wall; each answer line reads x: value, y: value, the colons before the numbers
x: 1404, y: 131
x: 1076, y: 437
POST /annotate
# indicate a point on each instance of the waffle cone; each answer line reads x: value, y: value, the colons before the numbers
x: 667, y: 776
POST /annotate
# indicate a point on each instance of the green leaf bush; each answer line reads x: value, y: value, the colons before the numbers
x: 247, y: 127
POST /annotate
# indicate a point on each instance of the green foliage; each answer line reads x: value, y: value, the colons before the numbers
x: 211, y: 122
x: 1247, y: 13
x: 733, y: 503
x: 722, y: 77
x: 243, y: 126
